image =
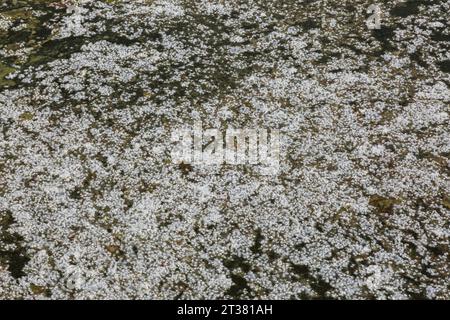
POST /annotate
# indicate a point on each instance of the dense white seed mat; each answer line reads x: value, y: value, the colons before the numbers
x: 91, y: 205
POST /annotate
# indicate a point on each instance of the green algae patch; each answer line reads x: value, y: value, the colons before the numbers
x: 38, y: 290
x: 37, y: 59
x: 4, y: 72
x: 446, y: 202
